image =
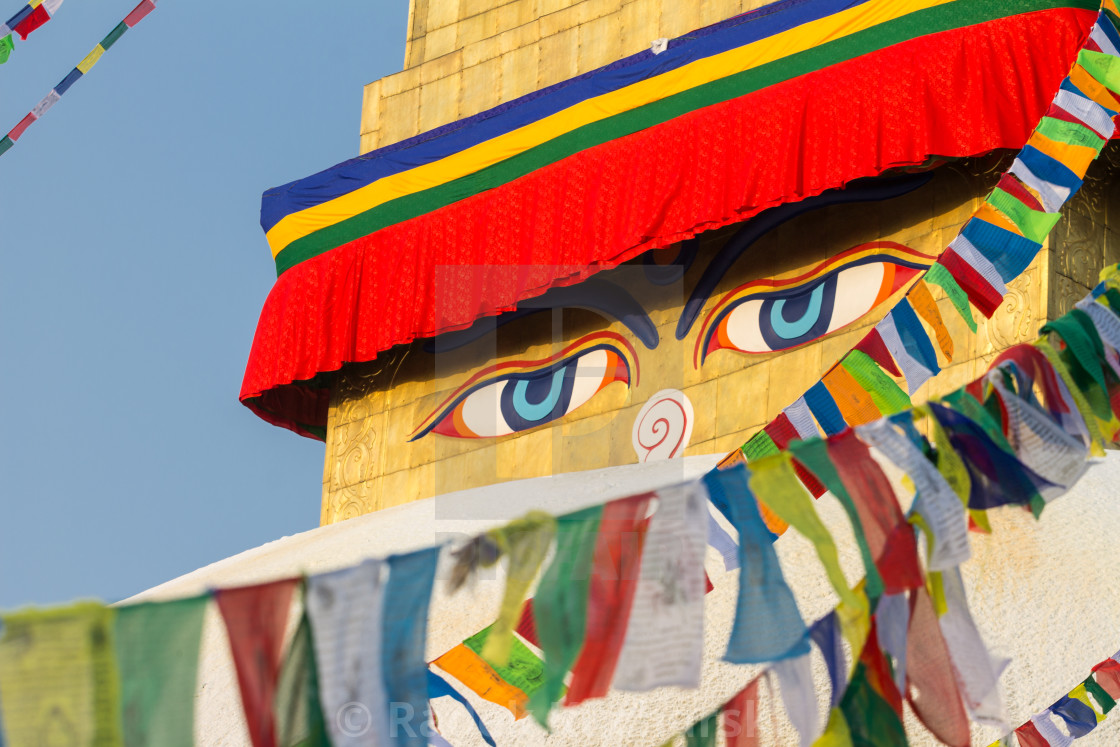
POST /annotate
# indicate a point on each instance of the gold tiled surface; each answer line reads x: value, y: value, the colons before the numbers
x: 465, y: 56
x: 371, y: 464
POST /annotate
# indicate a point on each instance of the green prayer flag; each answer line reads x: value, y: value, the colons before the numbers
x: 758, y: 446
x: 525, y: 670
x: 560, y: 606
x: 157, y: 655
x: 1035, y: 224
x: 703, y: 732
x: 1084, y: 356
x: 885, y: 393
x: 1071, y: 133
x: 813, y: 453
x: 1106, y: 701
x: 298, y: 710
x: 1079, y: 400
x: 871, y: 721
x: 58, y: 676
x: 6, y: 47
x: 1104, y: 68
x: 942, y: 278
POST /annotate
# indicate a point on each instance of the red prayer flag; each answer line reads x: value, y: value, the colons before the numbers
x: 527, y: 628
x: 879, y: 673
x: 979, y: 291
x: 890, y: 538
x: 144, y: 8
x: 931, y: 685
x: 1029, y: 737
x: 23, y: 125
x: 614, y: 578
x: 782, y: 432
x: 1108, y: 676
x: 1012, y: 186
x: 255, y: 618
x: 740, y: 717
x: 873, y: 346
x: 34, y: 20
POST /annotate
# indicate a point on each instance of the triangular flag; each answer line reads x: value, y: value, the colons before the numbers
x: 298, y: 709
x: 255, y: 618
x: 873, y: 347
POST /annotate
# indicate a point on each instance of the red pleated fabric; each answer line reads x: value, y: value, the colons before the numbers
x: 932, y: 687
x: 255, y: 618
x: 740, y: 717
x: 954, y: 93
x: 614, y: 578
x: 889, y: 537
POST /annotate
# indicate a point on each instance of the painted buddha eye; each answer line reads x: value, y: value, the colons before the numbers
x: 766, y: 315
x: 519, y: 395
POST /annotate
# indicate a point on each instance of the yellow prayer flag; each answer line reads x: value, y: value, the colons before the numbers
x: 91, y: 59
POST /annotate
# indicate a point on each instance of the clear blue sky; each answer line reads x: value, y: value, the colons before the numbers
x: 133, y: 272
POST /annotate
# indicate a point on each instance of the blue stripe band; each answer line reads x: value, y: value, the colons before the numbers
x: 824, y: 409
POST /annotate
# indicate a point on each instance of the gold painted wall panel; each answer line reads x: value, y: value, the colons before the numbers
x: 377, y: 407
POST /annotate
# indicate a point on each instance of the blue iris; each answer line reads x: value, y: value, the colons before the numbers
x: 542, y: 397
x: 799, y: 317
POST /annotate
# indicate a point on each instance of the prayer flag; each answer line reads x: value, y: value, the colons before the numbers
x: 144, y: 8
x: 824, y: 409
x: 768, y: 625
x: 157, y: 647
x: 438, y: 687
x: 6, y: 47
x: 936, y: 502
x: 939, y: 276
x: 923, y: 303
x: 1080, y: 718
x: 618, y: 552
x: 825, y: 634
x: 873, y: 347
x: 560, y: 606
x: 885, y: 393
x: 404, y: 668
x: 524, y: 542
x: 665, y: 637
x: 298, y: 710
x: 856, y: 405
x: 795, y: 682
x: 933, y: 692
x: 976, y: 671
x: 35, y: 19
x: 979, y: 290
x: 740, y: 717
x: 802, y: 420
x: 908, y: 343
x: 58, y: 675
x: 345, y: 608
x: 510, y: 689
x: 255, y: 618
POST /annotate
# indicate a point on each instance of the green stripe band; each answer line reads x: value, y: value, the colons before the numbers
x: 885, y: 393
x: 1035, y: 224
x: 115, y: 34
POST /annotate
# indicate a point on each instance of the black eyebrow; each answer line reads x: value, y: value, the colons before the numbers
x: 594, y: 294
x: 861, y: 190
